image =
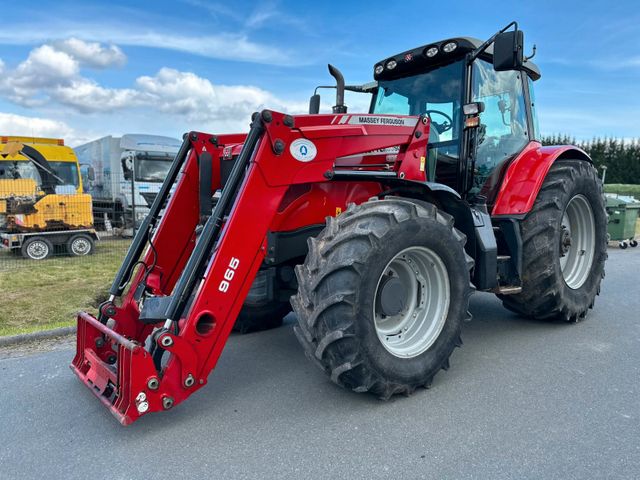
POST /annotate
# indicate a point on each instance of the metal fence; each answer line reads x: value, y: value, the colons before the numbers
x: 92, y: 224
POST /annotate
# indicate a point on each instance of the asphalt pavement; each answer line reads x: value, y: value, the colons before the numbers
x: 522, y: 399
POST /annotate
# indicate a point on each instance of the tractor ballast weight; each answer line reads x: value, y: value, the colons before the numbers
x: 385, y: 255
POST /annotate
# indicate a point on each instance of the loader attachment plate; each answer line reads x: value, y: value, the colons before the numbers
x: 115, y: 369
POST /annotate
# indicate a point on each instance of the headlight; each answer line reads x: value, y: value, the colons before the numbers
x: 449, y: 47
x: 391, y: 64
x: 379, y: 69
x: 431, y: 52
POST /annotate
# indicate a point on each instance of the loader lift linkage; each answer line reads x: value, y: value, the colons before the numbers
x: 219, y: 263
x: 391, y: 221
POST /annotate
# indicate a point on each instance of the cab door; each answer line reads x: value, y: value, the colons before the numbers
x: 503, y: 130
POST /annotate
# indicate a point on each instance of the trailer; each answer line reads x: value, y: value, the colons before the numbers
x: 124, y: 174
x: 41, y: 245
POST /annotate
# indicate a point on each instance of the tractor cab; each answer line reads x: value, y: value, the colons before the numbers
x: 441, y: 79
x: 480, y: 105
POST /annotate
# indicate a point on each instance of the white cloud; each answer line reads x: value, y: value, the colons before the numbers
x: 50, y: 77
x: 225, y: 46
x: 19, y: 125
x: 198, y: 100
x: 45, y: 67
x: 49, y: 62
x: 260, y: 16
x: 52, y: 71
x: 92, y: 54
x: 267, y: 10
x: 87, y: 96
x: 618, y: 63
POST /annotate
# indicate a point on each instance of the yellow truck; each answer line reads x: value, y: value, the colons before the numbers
x: 43, y: 209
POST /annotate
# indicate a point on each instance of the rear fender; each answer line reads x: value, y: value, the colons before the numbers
x: 525, y: 175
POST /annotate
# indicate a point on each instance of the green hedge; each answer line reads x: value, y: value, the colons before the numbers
x: 623, y: 189
x: 622, y: 158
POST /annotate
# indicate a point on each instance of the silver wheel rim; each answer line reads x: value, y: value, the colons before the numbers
x: 37, y: 250
x: 417, y: 326
x: 577, y: 242
x: 80, y: 246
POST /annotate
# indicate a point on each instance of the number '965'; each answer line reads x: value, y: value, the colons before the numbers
x: 228, y: 274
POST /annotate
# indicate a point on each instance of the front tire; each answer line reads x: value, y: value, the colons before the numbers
x: 37, y: 248
x: 564, y: 241
x: 377, y: 276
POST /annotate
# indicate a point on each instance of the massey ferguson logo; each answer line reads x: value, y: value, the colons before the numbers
x: 382, y: 120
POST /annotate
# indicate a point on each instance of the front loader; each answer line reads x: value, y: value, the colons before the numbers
x: 377, y: 227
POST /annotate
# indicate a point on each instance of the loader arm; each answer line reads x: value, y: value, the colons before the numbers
x: 191, y: 268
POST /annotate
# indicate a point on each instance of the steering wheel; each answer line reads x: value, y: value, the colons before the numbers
x: 442, y: 127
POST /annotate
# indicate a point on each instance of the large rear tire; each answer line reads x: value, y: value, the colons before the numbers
x: 382, y: 296
x: 564, y: 241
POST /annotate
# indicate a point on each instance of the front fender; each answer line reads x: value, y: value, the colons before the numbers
x: 525, y: 175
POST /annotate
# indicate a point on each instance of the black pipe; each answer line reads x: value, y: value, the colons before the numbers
x: 142, y: 235
x: 339, y: 106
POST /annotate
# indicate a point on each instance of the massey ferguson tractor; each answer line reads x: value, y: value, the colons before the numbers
x: 376, y: 227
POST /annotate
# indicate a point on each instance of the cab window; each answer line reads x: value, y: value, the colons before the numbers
x: 503, y: 124
x: 66, y: 171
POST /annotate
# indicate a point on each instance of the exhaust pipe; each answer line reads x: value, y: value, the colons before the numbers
x: 339, y: 107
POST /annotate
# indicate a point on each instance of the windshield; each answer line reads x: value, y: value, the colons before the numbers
x: 438, y: 93
x: 17, y: 170
x: 152, y: 170
x: 67, y: 171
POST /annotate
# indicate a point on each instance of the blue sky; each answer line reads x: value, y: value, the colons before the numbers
x: 87, y: 69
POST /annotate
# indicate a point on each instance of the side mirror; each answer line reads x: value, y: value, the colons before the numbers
x: 127, y: 166
x: 475, y: 108
x: 91, y: 174
x: 508, y: 48
x: 314, y: 104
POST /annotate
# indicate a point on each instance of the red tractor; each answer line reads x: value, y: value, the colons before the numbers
x: 376, y: 227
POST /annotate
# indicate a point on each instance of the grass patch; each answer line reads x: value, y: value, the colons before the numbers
x: 47, y: 294
x: 623, y: 189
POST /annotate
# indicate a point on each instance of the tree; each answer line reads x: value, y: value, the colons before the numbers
x: 622, y: 158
